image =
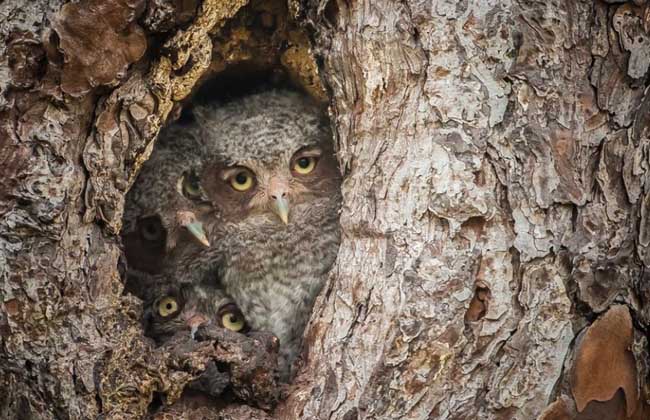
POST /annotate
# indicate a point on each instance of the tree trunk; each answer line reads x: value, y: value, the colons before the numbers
x: 495, y: 232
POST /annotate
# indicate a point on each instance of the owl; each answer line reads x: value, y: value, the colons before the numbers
x: 172, y: 309
x: 268, y: 172
x: 163, y: 206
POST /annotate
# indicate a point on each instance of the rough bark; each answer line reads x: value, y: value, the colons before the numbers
x: 495, y: 243
x: 495, y: 206
x: 81, y: 106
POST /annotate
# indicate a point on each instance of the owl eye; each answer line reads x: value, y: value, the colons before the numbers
x: 167, y: 306
x: 305, y: 165
x: 232, y: 318
x: 191, y: 186
x: 233, y: 322
x: 151, y: 229
x: 242, y: 181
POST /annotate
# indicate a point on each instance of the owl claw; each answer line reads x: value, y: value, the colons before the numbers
x: 196, y: 229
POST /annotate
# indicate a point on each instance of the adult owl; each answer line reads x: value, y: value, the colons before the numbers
x: 268, y: 171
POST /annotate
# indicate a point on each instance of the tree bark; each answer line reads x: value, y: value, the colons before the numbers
x: 495, y: 232
x: 495, y: 169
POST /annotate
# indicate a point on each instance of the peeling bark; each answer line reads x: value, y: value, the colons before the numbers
x: 495, y: 234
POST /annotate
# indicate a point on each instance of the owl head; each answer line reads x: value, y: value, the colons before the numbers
x: 172, y: 309
x: 159, y: 211
x: 268, y: 159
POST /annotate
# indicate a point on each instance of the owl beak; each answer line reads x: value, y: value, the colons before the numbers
x: 196, y: 229
x: 281, y: 208
x: 278, y: 188
x: 194, y: 321
x: 187, y: 219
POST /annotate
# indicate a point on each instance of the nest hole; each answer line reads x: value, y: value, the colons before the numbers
x: 257, y: 50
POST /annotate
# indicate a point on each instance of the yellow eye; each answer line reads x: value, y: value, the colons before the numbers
x: 167, y: 306
x: 304, y: 165
x: 233, y: 321
x: 191, y: 186
x: 242, y: 181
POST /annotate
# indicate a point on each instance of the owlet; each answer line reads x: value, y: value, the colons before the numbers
x: 267, y: 170
x: 172, y: 309
x: 160, y: 208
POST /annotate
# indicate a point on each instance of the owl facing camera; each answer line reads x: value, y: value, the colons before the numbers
x: 244, y: 200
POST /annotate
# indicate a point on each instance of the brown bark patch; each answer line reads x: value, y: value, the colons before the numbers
x: 12, y: 307
x: 613, y: 409
x: 479, y: 304
x: 262, y: 37
x: 604, y: 363
x: 599, y: 284
x: 98, y: 39
x: 13, y: 159
x: 133, y: 372
x: 561, y: 409
x: 195, y: 409
x: 26, y: 59
x: 563, y: 149
x: 631, y: 23
x: 299, y: 62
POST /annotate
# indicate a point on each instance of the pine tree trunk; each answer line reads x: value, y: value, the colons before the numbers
x: 495, y: 232
x: 495, y: 166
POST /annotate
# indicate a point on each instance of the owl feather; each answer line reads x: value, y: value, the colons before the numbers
x: 269, y: 170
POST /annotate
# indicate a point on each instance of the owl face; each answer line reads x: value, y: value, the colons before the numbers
x: 270, y: 191
x: 175, y: 309
x: 271, y: 162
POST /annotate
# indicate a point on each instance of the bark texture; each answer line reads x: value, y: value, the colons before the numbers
x: 495, y: 222
x: 495, y: 206
x: 80, y: 108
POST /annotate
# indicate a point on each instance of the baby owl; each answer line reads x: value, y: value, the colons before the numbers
x: 268, y: 169
x: 171, y: 309
x: 159, y: 209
